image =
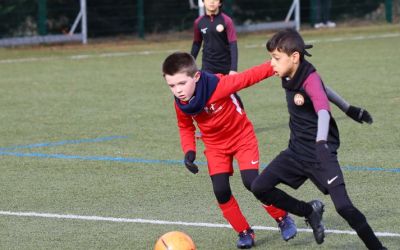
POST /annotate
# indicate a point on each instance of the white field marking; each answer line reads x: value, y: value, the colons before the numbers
x: 149, y: 52
x: 337, y: 39
x: 162, y: 222
x: 83, y: 56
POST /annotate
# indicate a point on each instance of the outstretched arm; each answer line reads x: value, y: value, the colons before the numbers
x: 357, y: 114
x: 229, y: 84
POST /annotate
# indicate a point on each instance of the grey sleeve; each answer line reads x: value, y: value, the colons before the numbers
x: 323, y: 125
x: 336, y: 99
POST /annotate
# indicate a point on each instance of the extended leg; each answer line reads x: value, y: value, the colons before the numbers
x: 354, y: 217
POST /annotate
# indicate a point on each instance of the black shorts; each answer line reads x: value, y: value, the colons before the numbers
x: 294, y: 172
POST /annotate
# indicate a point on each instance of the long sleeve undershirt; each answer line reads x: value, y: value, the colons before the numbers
x: 314, y: 89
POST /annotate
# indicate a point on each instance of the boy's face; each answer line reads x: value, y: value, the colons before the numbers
x: 212, y: 6
x: 283, y: 64
x: 182, y: 85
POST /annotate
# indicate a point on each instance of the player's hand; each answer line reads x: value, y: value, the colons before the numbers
x: 359, y: 114
x: 323, y: 152
x: 232, y: 72
x: 190, y: 156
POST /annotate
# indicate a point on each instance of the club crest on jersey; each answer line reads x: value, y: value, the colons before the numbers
x: 211, y: 109
x: 220, y: 28
x: 204, y: 30
x: 298, y: 99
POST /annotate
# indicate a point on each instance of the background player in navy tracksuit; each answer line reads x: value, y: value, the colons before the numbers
x: 313, y: 144
x: 216, y: 29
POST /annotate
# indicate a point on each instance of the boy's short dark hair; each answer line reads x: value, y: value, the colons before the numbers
x: 288, y: 41
x: 179, y: 62
x: 220, y: 1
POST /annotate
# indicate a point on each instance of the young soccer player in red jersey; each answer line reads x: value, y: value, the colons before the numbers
x: 314, y: 140
x: 227, y: 133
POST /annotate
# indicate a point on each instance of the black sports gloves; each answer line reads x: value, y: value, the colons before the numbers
x: 359, y: 114
x: 323, y: 152
x: 190, y: 156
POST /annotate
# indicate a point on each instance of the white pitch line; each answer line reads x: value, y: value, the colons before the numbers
x: 162, y: 222
x: 337, y: 39
x: 84, y: 56
x: 150, y: 52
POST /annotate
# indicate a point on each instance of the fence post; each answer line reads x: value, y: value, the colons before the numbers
x: 389, y: 10
x: 84, y: 28
x: 140, y: 18
x: 42, y: 17
x: 201, y: 7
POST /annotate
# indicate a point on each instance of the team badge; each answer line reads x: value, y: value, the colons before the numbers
x: 298, y: 99
x: 220, y: 28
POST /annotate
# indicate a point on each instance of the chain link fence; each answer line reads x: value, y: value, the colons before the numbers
x: 21, y: 18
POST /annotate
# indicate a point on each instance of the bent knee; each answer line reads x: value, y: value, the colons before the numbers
x: 223, y: 195
x: 248, y: 184
x: 259, y: 189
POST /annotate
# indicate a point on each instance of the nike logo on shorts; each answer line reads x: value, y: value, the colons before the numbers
x: 332, y: 180
x: 254, y: 162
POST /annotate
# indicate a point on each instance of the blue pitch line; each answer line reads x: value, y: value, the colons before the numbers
x: 60, y: 143
x: 169, y: 162
x: 353, y: 168
x: 91, y: 158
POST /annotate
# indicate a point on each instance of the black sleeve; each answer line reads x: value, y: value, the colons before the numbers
x: 234, y: 55
x: 195, y: 49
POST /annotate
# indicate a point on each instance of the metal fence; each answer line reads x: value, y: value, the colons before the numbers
x: 37, y: 18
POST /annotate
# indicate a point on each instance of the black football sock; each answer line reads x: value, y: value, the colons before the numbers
x: 359, y: 223
x: 290, y: 204
x: 368, y: 237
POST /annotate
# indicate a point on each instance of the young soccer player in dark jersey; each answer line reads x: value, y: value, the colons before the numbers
x: 216, y: 31
x: 313, y: 144
x: 208, y: 100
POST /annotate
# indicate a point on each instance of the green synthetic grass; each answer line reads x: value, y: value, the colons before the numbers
x: 47, y: 95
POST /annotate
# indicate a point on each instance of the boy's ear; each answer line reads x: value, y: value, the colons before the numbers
x: 296, y: 57
x: 197, y: 76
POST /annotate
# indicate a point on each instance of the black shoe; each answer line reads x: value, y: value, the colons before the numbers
x: 314, y: 220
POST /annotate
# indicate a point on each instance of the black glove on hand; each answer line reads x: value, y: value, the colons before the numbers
x: 359, y: 114
x: 190, y: 156
x: 323, y: 152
